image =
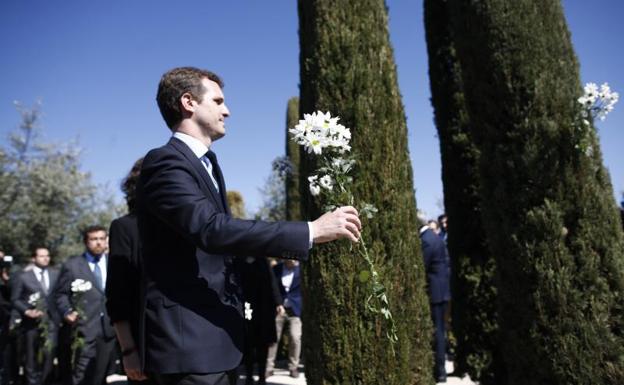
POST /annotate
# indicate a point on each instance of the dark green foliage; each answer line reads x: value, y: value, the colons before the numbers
x: 548, y: 204
x: 347, y: 68
x: 46, y: 199
x: 293, y: 154
x: 474, y: 316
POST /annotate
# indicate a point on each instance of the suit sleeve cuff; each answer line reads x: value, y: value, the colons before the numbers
x: 311, y: 238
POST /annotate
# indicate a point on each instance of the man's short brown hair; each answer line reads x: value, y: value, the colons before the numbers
x: 175, y: 83
x: 92, y: 229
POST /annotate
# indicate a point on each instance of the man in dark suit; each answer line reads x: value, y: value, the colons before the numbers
x: 123, y: 284
x: 438, y: 286
x: 193, y: 314
x: 93, y: 324
x: 288, y: 278
x: 31, y: 298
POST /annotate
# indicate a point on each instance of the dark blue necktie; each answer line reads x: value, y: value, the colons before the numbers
x: 207, y: 161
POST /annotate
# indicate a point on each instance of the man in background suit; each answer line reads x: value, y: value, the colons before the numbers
x: 193, y: 314
x: 438, y: 286
x: 92, y: 360
x: 37, y: 282
x: 288, y: 278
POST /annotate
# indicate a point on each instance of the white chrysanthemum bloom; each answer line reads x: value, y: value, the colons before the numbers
x: 80, y: 286
x: 315, y: 189
x: 591, y: 90
x: 315, y: 143
x: 326, y: 182
x: 33, y: 298
x: 248, y: 311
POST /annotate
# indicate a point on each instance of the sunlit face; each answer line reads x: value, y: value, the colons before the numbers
x: 96, y: 242
x: 41, y: 257
x: 210, y: 114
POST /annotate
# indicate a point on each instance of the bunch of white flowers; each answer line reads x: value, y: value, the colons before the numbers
x: 318, y: 131
x: 320, y: 134
x: 34, y: 298
x: 598, y: 102
x: 80, y: 286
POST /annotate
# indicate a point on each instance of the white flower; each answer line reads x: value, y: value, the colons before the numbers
x: 248, y: 311
x: 33, y: 298
x: 317, y: 131
x: 598, y: 102
x: 326, y: 182
x: 315, y: 189
x: 368, y: 210
x: 80, y: 286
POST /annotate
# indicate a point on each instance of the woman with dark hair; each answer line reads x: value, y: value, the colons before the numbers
x: 123, y: 284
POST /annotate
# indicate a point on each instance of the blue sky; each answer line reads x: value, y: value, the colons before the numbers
x: 96, y: 65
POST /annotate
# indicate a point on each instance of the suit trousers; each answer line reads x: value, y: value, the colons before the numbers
x: 38, y: 359
x: 92, y: 362
x: 439, y: 342
x: 294, y: 340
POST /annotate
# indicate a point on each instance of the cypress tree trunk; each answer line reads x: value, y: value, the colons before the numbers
x: 474, y: 315
x: 548, y: 205
x: 293, y: 196
x: 347, y: 68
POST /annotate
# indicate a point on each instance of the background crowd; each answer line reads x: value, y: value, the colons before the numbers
x: 58, y: 323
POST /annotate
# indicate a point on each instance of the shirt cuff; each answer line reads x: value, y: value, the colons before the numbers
x: 311, y: 239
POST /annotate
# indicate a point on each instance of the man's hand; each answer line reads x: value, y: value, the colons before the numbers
x: 340, y: 223
x: 281, y: 310
x: 71, y: 318
x: 33, y: 313
x: 132, y: 366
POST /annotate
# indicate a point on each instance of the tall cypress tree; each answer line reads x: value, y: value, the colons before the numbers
x: 548, y: 205
x: 293, y: 195
x: 347, y: 68
x: 474, y: 318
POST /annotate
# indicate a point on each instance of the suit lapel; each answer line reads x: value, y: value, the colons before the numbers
x: 199, y: 169
x: 86, y: 270
x: 34, y: 281
x: 219, y: 175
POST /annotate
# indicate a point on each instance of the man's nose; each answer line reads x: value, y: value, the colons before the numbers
x: 226, y: 111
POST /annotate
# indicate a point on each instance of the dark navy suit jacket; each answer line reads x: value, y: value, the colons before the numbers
x: 294, y: 294
x: 27, y: 283
x: 436, y: 266
x: 193, y: 310
x: 95, y: 323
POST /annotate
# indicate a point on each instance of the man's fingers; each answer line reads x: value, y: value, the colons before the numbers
x: 348, y: 210
x: 355, y: 220
x: 353, y: 233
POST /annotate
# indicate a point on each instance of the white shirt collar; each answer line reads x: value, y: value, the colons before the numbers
x: 37, y: 270
x: 424, y: 228
x: 196, y: 145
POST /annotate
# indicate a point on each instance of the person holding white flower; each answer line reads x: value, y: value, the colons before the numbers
x: 30, y: 297
x: 193, y: 313
x: 80, y: 299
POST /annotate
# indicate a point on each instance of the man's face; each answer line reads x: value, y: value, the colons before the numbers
x: 210, y: 114
x: 291, y: 263
x: 96, y: 242
x: 42, y: 257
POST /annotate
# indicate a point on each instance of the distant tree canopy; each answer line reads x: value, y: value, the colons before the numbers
x: 273, y: 192
x: 45, y: 198
x: 237, y: 204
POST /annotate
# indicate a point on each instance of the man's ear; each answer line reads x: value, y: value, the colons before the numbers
x: 187, y: 102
